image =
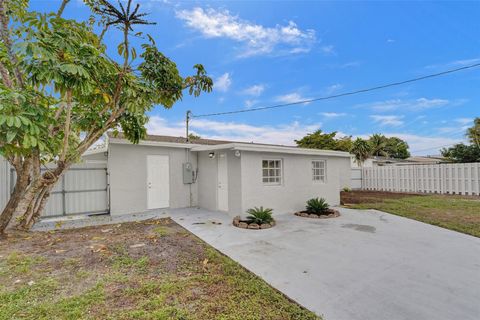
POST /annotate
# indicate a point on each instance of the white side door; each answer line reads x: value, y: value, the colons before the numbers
x: 158, y: 182
x: 222, y: 187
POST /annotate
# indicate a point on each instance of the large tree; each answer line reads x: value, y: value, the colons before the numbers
x: 328, y: 141
x: 378, y: 145
x: 362, y: 150
x: 60, y: 92
x: 473, y: 133
x: 463, y: 153
x: 396, y: 148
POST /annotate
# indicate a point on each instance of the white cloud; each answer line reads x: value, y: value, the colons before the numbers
x: 333, y: 114
x: 255, y: 90
x: 250, y: 103
x: 464, y: 120
x: 333, y: 88
x: 421, y: 145
x: 284, y: 134
x: 384, y: 120
x: 160, y: 126
x: 328, y: 50
x: 223, y: 82
x: 390, y: 40
x: 291, y: 98
x: 257, y: 39
x: 412, y: 105
x: 281, y: 134
x: 455, y: 63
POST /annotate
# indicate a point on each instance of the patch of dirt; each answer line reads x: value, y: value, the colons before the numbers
x: 91, y: 247
x: 355, y: 197
x: 142, y: 270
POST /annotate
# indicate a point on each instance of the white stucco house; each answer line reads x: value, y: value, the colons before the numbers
x: 169, y: 172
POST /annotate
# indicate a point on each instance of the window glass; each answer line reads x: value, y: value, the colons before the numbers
x: 272, y: 171
x: 318, y: 170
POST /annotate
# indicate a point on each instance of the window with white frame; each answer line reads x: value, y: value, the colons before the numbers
x: 319, y: 170
x: 272, y: 171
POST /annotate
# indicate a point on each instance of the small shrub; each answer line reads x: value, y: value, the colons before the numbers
x: 346, y: 189
x: 260, y: 215
x: 317, y: 206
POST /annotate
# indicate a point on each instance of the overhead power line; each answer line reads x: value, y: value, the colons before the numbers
x: 350, y: 93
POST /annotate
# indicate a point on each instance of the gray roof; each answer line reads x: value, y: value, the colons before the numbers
x: 172, y: 139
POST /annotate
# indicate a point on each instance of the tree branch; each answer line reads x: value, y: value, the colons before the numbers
x: 62, y: 7
x: 67, y: 126
x: 7, y: 81
x: 102, y: 34
x: 5, y: 33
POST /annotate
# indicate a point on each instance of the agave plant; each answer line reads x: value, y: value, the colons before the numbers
x: 317, y: 206
x: 260, y: 215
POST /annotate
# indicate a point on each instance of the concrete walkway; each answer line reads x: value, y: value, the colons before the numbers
x: 365, y: 265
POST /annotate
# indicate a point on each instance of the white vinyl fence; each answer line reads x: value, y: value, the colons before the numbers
x: 356, y: 178
x: 461, y: 178
x: 83, y: 189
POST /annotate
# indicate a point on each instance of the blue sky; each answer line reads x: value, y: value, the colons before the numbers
x: 265, y: 53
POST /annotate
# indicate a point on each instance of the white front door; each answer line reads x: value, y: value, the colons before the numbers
x: 158, y: 182
x: 222, y: 187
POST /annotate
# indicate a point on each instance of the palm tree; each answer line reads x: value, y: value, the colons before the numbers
x: 361, y: 149
x: 473, y: 133
x: 378, y: 144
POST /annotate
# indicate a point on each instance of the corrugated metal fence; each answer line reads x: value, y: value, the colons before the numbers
x: 83, y: 189
x: 461, y: 178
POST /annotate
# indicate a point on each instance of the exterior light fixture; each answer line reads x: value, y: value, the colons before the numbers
x: 237, y: 153
x: 211, y: 155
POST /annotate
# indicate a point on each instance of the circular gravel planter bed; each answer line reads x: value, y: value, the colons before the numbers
x: 244, y: 224
x: 331, y: 213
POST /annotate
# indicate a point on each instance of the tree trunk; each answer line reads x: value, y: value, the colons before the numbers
x: 35, y: 208
x: 31, y: 206
x: 20, y: 186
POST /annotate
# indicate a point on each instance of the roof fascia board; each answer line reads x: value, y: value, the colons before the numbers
x: 274, y: 149
x: 155, y: 143
x: 290, y: 150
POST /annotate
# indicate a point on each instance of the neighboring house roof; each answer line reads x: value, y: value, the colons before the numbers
x: 411, y: 160
x: 211, y: 145
x: 428, y: 159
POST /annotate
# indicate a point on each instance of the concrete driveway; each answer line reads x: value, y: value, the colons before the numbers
x: 363, y: 265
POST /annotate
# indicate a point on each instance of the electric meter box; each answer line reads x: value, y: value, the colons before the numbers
x: 188, y: 173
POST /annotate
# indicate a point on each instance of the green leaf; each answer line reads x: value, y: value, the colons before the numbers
x: 10, y: 121
x: 18, y: 122
x: 10, y: 136
x: 120, y: 49
x: 33, y: 141
x: 134, y: 53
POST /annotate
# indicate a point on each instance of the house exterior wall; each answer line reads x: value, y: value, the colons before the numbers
x: 207, y: 181
x: 234, y: 184
x: 127, y: 167
x: 95, y: 157
x: 297, y: 185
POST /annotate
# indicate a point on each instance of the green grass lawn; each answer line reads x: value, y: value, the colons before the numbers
x: 149, y: 270
x: 451, y: 212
